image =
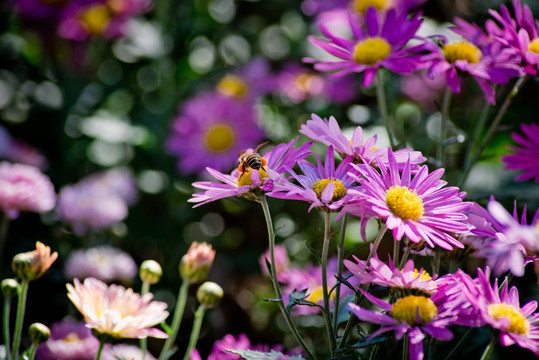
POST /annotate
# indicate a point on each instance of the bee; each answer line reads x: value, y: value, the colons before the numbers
x: 251, y: 160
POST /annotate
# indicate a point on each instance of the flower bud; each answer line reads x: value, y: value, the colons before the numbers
x: 196, y: 264
x: 9, y: 287
x: 209, y: 294
x: 32, y: 264
x: 39, y: 333
x: 150, y: 271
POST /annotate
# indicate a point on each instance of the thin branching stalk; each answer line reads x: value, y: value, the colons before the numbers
x: 32, y: 351
x: 396, y: 251
x: 144, y: 342
x: 461, y: 342
x: 446, y: 102
x: 195, y: 332
x: 176, y: 321
x: 405, y: 343
x: 100, y: 350
x: 382, y: 106
x: 324, y: 264
x: 340, y: 257
x: 490, y: 348
x: 7, y: 311
x: 21, y: 304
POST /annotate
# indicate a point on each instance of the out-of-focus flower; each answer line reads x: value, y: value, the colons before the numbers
x: 150, y: 272
x: 69, y: 340
x: 116, y: 311
x: 195, y: 265
x: 423, y: 89
x: 24, y: 188
x: 526, y: 154
x: 241, y: 342
x: 239, y: 84
x: 311, y: 7
x: 105, y: 263
x: 254, y: 182
x: 16, y: 151
x: 281, y: 260
x: 98, y: 201
x: 124, y: 352
x: 32, y: 264
x: 39, y: 9
x: 211, y: 130
x: 209, y: 294
x: 419, y: 207
x: 382, y: 45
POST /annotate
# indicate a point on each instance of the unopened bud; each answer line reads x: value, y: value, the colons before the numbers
x: 9, y: 288
x: 209, y: 294
x: 39, y: 333
x: 150, y: 271
x: 32, y: 264
x: 196, y: 264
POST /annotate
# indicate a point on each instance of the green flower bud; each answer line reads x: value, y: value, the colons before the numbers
x: 209, y: 294
x: 150, y: 271
x: 32, y: 264
x: 196, y: 264
x: 9, y: 287
x: 39, y: 333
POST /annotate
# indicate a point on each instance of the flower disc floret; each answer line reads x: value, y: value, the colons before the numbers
x: 462, y: 50
x: 404, y: 203
x: 219, y: 137
x: 518, y: 323
x: 245, y: 177
x: 95, y: 18
x: 407, y: 308
x: 338, y: 193
x: 371, y: 50
x: 232, y: 85
x: 533, y: 46
x: 361, y: 6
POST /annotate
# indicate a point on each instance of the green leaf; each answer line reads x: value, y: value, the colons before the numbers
x: 258, y: 355
x: 364, y: 342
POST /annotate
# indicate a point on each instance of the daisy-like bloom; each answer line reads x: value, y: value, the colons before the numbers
x: 210, y: 132
x: 124, y: 352
x: 311, y: 7
x: 382, y: 45
x: 105, y: 263
x: 526, y: 154
x: 239, y: 84
x: 324, y: 186
x: 33, y: 264
x: 415, y: 315
x: 69, y: 340
x: 329, y: 133
x: 501, y: 310
x: 420, y: 207
x: 247, y: 183
x: 116, y: 311
x: 24, y: 188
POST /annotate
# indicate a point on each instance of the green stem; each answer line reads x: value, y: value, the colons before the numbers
x: 7, y: 311
x: 275, y: 282
x: 340, y: 257
x: 473, y: 142
x: 178, y: 314
x: 405, y: 343
x: 436, y: 263
x: 21, y: 304
x: 489, y: 348
x: 324, y: 264
x: 377, y: 242
x: 493, y: 127
x: 443, y: 126
x: 404, y: 258
x: 32, y: 352
x: 144, y: 342
x: 199, y: 315
x: 461, y: 342
x: 382, y: 106
x: 100, y: 350
x: 396, y: 251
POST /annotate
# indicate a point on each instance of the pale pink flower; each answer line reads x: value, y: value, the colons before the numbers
x: 32, y: 264
x: 195, y: 265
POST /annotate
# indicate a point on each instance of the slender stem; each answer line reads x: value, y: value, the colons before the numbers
x: 382, y: 106
x: 396, y: 251
x: 178, y: 314
x: 404, y: 258
x: 436, y: 264
x: 340, y: 257
x: 377, y: 242
x: 199, y: 315
x: 100, y: 350
x: 4, y: 226
x: 32, y: 352
x: 275, y: 282
x: 144, y: 342
x: 405, y: 341
x: 461, y: 342
x: 21, y: 304
x: 473, y: 141
x: 489, y: 348
x: 443, y: 126
x: 493, y: 127
x: 324, y: 264
x: 7, y: 311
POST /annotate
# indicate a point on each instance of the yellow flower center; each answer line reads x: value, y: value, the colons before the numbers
x: 317, y: 295
x: 406, y: 309
x: 519, y: 324
x: 245, y: 177
x: 303, y: 80
x: 338, y: 193
x: 219, y: 137
x: 95, y: 18
x: 462, y: 50
x: 361, y: 6
x: 404, y: 203
x: 72, y: 337
x: 424, y: 276
x: 232, y: 85
x: 533, y: 46
x: 371, y: 50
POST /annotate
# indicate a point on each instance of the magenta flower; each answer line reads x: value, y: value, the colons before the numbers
x: 282, y: 261
x: 525, y: 155
x: 419, y: 207
x: 382, y: 45
x: 124, y: 352
x: 239, y: 84
x: 17, y: 151
x: 210, y: 131
x: 69, y: 340
x: 311, y: 7
x: 278, y: 161
x: 24, y: 188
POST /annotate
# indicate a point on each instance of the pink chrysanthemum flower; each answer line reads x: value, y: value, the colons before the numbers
x: 124, y: 352
x: 526, y: 155
x: 117, y: 311
x: 24, y: 188
x: 419, y: 207
x: 382, y: 45
x: 69, y: 340
x: 239, y: 84
x: 501, y: 310
x: 278, y: 161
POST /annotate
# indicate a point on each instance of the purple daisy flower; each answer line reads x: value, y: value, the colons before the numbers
x: 210, y: 132
x: 239, y: 84
x: 382, y: 45
x: 501, y: 310
x: 278, y: 161
x: 526, y: 155
x: 230, y: 342
x: 124, y: 352
x: 311, y: 7
x: 69, y: 340
x: 324, y: 186
x: 419, y: 207
x: 24, y: 188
